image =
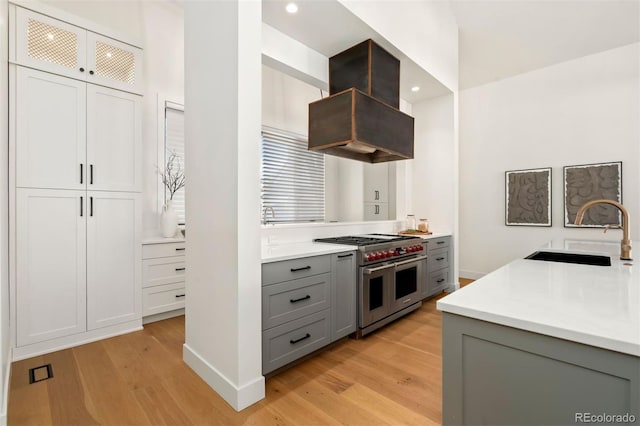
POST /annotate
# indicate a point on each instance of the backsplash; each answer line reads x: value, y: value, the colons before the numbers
x: 293, y: 233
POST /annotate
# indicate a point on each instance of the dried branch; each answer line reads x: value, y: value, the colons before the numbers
x: 173, y: 175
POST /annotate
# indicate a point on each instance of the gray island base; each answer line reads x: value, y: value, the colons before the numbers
x: 499, y: 375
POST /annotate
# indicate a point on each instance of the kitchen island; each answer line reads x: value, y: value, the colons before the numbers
x: 539, y: 342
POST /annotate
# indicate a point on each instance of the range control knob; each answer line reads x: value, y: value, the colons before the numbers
x: 396, y: 253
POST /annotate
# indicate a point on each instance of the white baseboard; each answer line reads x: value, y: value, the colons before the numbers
x: 162, y: 316
x: 472, y: 275
x: 238, y: 397
x: 5, y: 393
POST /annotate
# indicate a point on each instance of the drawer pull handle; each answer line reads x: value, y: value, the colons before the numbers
x: 406, y: 301
x: 180, y: 269
x: 304, y: 268
x: 180, y: 295
x: 440, y: 258
x: 294, y: 341
x: 342, y: 256
x: 180, y: 249
x: 300, y: 299
x: 440, y: 280
x: 440, y: 242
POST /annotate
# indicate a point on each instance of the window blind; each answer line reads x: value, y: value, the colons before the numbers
x: 292, y: 178
x: 174, y: 143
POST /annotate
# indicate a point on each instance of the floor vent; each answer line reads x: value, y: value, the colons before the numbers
x: 38, y: 374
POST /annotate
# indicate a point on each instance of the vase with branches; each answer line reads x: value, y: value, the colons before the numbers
x: 173, y: 179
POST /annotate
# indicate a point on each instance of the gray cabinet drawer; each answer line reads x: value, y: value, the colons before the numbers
x: 163, y: 271
x: 438, y: 281
x: 162, y: 298
x: 290, y: 341
x: 438, y: 243
x: 287, y: 270
x: 150, y: 251
x: 438, y: 259
x: 294, y: 299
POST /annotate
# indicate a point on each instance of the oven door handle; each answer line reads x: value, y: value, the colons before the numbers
x: 369, y: 271
x: 415, y: 259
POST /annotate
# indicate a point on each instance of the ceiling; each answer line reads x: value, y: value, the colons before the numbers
x: 497, y: 39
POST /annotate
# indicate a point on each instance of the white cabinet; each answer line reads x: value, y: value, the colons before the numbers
x: 113, y: 258
x: 51, y: 277
x: 73, y: 135
x: 58, y: 47
x: 163, y: 280
x: 376, y: 183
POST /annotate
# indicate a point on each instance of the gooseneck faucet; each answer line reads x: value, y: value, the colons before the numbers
x: 625, y: 244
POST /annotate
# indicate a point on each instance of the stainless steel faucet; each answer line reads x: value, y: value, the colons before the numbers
x: 625, y: 244
x: 264, y: 214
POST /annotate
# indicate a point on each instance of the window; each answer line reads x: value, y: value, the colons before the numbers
x: 174, y: 144
x: 291, y: 177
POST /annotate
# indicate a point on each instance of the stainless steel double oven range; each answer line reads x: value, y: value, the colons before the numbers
x: 392, y: 270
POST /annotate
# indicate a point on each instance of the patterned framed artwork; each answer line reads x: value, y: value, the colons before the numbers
x: 591, y: 182
x: 528, y: 197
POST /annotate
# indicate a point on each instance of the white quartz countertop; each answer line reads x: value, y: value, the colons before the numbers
x: 277, y: 252
x: 153, y: 239
x: 594, y: 305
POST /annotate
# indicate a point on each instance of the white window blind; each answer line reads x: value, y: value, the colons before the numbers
x: 174, y: 143
x: 292, y: 178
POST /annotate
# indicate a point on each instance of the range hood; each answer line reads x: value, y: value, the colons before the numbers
x: 360, y: 119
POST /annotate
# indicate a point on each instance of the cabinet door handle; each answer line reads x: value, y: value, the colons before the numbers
x: 91, y: 72
x: 81, y: 204
x: 300, y: 299
x: 81, y: 173
x: 180, y: 269
x: 342, y: 256
x: 180, y: 295
x: 377, y: 194
x: 91, y: 206
x: 377, y: 209
x: 440, y: 280
x: 440, y: 242
x: 180, y: 248
x: 90, y: 174
x: 81, y: 69
x: 440, y: 258
x: 294, y: 341
x: 304, y: 268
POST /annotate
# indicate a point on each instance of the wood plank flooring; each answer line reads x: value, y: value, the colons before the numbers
x: 392, y: 376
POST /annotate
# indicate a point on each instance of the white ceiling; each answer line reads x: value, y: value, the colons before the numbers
x: 497, y: 39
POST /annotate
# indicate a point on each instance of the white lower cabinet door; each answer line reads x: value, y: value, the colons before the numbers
x: 114, y: 291
x: 50, y: 264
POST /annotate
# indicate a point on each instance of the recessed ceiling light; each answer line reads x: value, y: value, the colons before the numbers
x: 291, y: 8
x: 415, y: 89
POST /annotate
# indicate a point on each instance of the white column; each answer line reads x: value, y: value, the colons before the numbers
x: 222, y: 153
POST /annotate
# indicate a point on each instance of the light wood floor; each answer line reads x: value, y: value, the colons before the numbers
x: 392, y: 376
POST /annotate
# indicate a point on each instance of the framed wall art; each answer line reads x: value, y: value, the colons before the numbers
x: 528, y: 197
x: 591, y: 182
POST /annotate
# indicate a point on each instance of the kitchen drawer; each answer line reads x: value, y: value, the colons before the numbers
x: 151, y: 251
x: 164, y: 270
x: 438, y: 259
x: 291, y: 300
x: 437, y: 281
x: 438, y: 243
x: 162, y: 298
x: 288, y: 342
x: 287, y: 270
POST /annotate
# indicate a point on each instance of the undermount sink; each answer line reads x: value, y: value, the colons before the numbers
x: 582, y: 259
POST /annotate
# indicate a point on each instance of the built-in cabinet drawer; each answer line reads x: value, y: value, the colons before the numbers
x: 292, y: 340
x: 294, y: 299
x: 438, y: 258
x: 439, y: 266
x: 151, y: 251
x: 163, y: 298
x: 439, y: 278
x: 164, y: 270
x: 287, y: 270
x: 437, y: 243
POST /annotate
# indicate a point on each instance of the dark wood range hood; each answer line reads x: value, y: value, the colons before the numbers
x: 360, y: 119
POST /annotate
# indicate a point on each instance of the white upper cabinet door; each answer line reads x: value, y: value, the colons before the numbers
x: 114, y: 140
x: 50, y: 131
x: 50, y: 257
x: 114, y: 251
x: 50, y: 45
x: 376, y: 182
x: 114, y: 64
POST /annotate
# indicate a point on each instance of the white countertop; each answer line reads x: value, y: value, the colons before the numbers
x: 160, y: 240
x: 594, y: 305
x: 277, y: 252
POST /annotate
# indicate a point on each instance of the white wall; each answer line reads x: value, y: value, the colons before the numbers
x: 5, y: 344
x: 578, y: 112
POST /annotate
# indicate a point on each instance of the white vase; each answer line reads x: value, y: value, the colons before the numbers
x: 168, y: 220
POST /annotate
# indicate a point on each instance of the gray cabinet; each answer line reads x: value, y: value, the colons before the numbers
x: 306, y: 304
x: 343, y: 295
x: 439, y: 266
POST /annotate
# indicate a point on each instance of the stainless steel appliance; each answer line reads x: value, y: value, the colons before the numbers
x: 392, y: 271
